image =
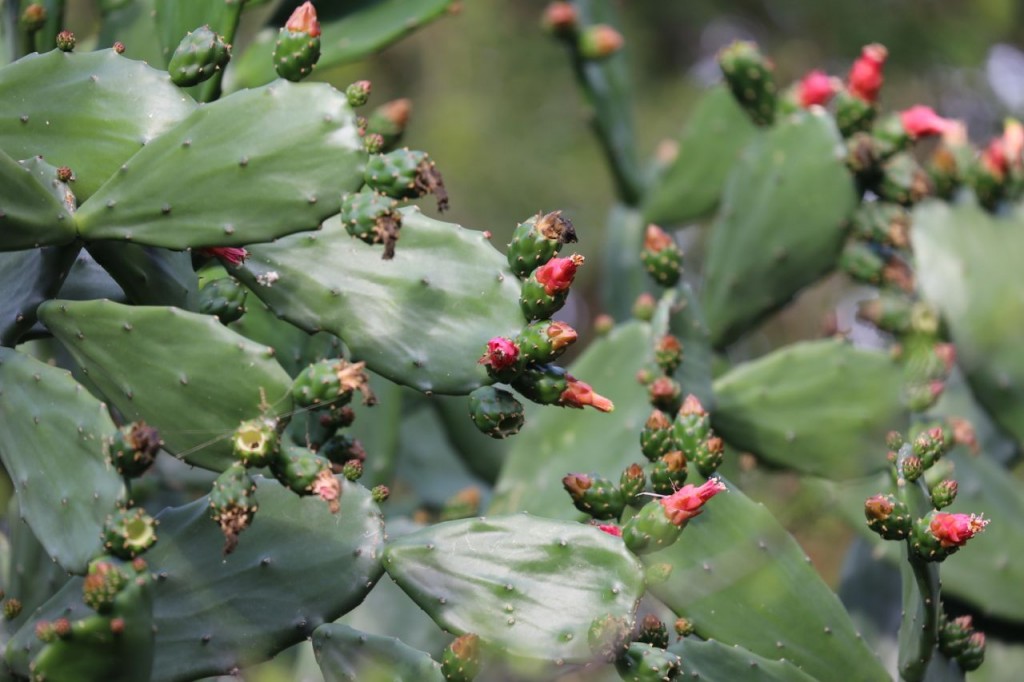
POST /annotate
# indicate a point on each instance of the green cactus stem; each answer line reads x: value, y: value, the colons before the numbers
x: 537, y: 240
x: 129, y: 532
x: 751, y: 77
x: 496, y: 412
x: 198, y: 57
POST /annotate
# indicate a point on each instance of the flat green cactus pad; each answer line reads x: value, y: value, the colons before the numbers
x: 968, y: 266
x: 52, y: 447
x: 184, y: 373
x: 527, y: 586
x: 819, y: 407
x: 50, y: 101
x: 709, y: 145
x: 349, y: 655
x: 780, y: 225
x: 422, y: 319
x: 219, y: 179
x: 712, y: 660
x: 742, y: 579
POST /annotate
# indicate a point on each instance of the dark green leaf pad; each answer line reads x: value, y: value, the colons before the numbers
x: 50, y: 102
x: 349, y: 655
x: 30, y: 213
x: 558, y: 441
x: 349, y: 31
x: 819, y: 407
x: 52, y: 447
x: 526, y: 585
x: 780, y: 225
x: 149, y: 275
x: 968, y: 266
x: 219, y: 179
x: 741, y: 579
x: 28, y: 278
x: 297, y: 567
x: 409, y: 320
x: 711, y: 660
x: 716, y: 132
x: 184, y: 373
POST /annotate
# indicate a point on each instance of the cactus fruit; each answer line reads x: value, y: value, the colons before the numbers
x: 631, y: 483
x: 751, y: 77
x: 332, y: 381
x: 496, y: 412
x: 652, y: 630
x: 904, y: 181
x: 232, y: 505
x: 129, y: 532
x: 544, y: 341
x: 552, y: 385
x: 888, y: 516
x: 199, y: 55
x: 297, y: 49
x: 544, y: 292
x: 644, y: 662
x: 594, y: 495
x: 656, y: 437
x: 298, y: 468
x: 669, y: 473
x: 503, y: 359
x: 668, y: 353
x: 537, y: 240
x: 944, y: 493
x: 104, y: 580
x: 373, y: 218
x: 659, y: 523
x: 134, y: 448
x: 665, y: 394
x: 223, y: 297
x: 65, y: 41
x: 460, y: 661
x: 358, y: 93
x: 255, y: 442
x: 940, y: 534
x: 661, y: 256
x: 406, y: 174
x: 389, y: 120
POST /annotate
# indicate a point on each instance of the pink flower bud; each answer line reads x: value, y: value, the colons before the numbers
x: 692, y: 406
x: 557, y: 274
x: 685, y: 503
x: 600, y: 41
x: 303, y: 20
x: 579, y: 394
x: 921, y: 121
x: 232, y: 254
x: 816, y: 88
x: 993, y: 159
x: 501, y: 353
x: 561, y: 335
x: 865, y: 79
x: 657, y: 240
x: 560, y: 17
x: 954, y: 530
x: 611, y: 529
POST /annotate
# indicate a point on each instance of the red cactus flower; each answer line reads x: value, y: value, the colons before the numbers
x: 501, y: 353
x: 865, y: 79
x: 232, y: 254
x: 657, y: 240
x: 557, y: 274
x: 303, y: 20
x: 687, y: 502
x: 579, y: 394
x: 611, y: 529
x: 817, y: 87
x: 922, y: 121
x: 993, y: 159
x: 560, y: 17
x: 954, y: 530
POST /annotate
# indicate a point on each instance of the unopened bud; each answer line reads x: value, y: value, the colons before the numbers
x: 599, y: 42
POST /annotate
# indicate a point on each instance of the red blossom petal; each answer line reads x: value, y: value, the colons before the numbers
x: 816, y: 88
x: 303, y: 20
x: 954, y: 530
x: 922, y: 121
x: 865, y: 79
x: 501, y: 353
x: 557, y: 274
x: 232, y: 254
x: 579, y: 394
x: 611, y: 529
x: 685, y: 503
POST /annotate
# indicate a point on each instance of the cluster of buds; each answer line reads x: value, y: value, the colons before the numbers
x: 937, y: 534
